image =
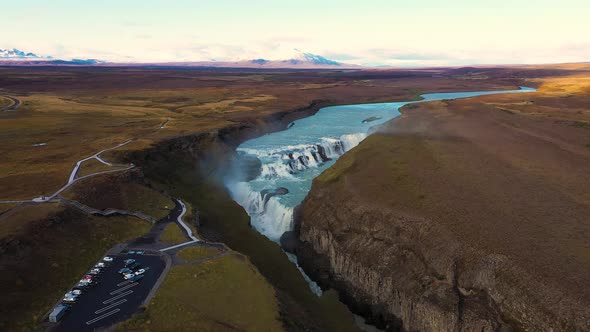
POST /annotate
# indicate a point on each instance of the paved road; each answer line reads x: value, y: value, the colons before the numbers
x: 15, y: 104
x: 113, y: 299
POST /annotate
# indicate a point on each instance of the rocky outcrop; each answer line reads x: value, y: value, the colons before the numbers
x: 405, y: 273
x: 393, y: 277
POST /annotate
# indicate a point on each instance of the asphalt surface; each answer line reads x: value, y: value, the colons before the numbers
x: 113, y: 299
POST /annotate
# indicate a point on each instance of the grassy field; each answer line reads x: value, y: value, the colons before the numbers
x: 173, y: 235
x: 192, y: 253
x: 77, y: 112
x: 225, y: 294
x: 46, y: 248
x: 120, y: 191
x: 6, y: 207
x: 94, y: 166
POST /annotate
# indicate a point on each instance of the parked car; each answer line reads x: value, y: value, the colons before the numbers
x: 95, y: 271
x: 82, y: 285
x: 89, y: 281
x: 139, y: 252
x: 129, y: 261
x: 131, y: 252
x: 129, y: 276
x: 135, y: 266
x: 87, y: 277
x: 140, y: 271
x: 70, y: 297
x: 107, y: 259
x: 125, y: 270
x: 100, y: 265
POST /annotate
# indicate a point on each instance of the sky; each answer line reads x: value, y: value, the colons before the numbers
x: 367, y: 32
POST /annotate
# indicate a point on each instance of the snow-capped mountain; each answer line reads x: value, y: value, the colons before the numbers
x: 313, y: 58
x: 297, y: 59
x: 16, y: 57
x: 18, y: 54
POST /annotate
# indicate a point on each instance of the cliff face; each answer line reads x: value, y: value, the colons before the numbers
x: 404, y: 271
x: 450, y: 220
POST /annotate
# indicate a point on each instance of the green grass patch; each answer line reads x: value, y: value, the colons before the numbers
x: 6, y: 207
x: 173, y: 235
x: 192, y: 253
x: 582, y: 124
x: 334, y: 172
x: 225, y: 294
x: 117, y: 191
x: 94, y: 166
x: 141, y: 198
x: 56, y: 247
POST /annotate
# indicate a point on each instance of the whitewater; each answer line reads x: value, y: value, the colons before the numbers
x: 292, y: 158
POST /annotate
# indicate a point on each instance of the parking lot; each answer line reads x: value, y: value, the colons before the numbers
x: 112, y: 298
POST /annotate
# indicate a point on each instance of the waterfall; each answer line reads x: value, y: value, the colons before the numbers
x: 268, y: 215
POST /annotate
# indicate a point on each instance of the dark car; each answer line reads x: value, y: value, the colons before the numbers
x: 124, y: 270
x: 129, y: 261
x: 135, y: 266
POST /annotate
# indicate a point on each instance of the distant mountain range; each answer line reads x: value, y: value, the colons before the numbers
x: 302, y: 60
x: 20, y: 58
x: 18, y: 54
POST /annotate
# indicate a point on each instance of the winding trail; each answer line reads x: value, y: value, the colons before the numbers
x: 96, y: 156
x: 73, y: 178
x: 189, y: 232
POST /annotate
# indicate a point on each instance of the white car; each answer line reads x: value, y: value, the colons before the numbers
x: 129, y: 276
x: 100, y: 264
x: 140, y: 271
x: 108, y: 259
x: 70, y: 299
x: 71, y: 296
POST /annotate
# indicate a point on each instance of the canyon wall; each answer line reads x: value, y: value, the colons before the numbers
x: 455, y: 220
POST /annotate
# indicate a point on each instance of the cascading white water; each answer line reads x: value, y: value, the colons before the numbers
x: 268, y: 214
x: 292, y: 158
